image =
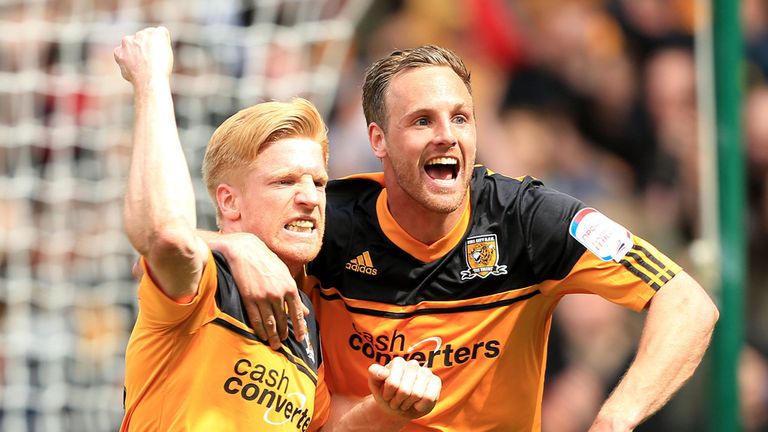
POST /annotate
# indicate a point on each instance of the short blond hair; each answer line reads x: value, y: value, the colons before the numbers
x: 236, y: 143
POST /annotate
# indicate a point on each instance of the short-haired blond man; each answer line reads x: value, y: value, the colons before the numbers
x: 192, y: 362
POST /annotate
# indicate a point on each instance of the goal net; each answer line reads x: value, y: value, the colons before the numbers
x: 67, y: 299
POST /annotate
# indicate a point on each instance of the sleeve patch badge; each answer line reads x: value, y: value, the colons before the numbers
x: 602, y: 236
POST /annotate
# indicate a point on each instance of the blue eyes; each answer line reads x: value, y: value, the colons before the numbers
x: 423, y: 121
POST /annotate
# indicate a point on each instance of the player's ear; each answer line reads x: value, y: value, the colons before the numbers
x: 377, y: 140
x: 228, y: 200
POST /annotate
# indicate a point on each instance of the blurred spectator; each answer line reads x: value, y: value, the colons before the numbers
x: 670, y: 100
x: 754, y: 14
x: 348, y: 136
x: 592, y: 344
x: 756, y: 138
x: 753, y: 390
x: 651, y: 24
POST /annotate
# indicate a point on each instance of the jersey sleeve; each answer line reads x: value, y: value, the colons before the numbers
x: 544, y: 216
x: 322, y: 402
x: 631, y: 282
x: 576, y: 249
x: 157, y: 310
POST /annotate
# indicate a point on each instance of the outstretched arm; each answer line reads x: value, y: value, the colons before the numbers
x: 265, y: 284
x: 159, y: 207
x: 400, y: 392
x: 676, y: 334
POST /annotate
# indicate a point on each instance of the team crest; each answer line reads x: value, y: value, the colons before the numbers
x: 482, y: 257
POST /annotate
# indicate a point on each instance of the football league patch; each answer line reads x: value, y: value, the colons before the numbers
x: 482, y: 257
x: 602, y: 236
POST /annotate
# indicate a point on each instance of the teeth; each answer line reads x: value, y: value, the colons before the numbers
x: 442, y: 161
x: 300, y: 226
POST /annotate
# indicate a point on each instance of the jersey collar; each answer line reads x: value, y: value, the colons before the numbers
x: 423, y: 252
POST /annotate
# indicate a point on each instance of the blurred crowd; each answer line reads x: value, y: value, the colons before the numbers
x: 597, y: 98
x: 67, y: 297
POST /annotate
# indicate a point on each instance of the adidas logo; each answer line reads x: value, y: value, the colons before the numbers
x: 362, y: 264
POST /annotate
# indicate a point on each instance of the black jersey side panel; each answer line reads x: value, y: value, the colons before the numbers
x: 360, y: 259
x: 229, y: 301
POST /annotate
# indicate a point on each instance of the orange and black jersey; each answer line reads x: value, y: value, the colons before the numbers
x: 199, y: 367
x: 475, y: 306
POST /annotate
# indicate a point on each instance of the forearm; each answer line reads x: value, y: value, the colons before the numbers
x: 265, y: 285
x: 361, y: 415
x: 231, y: 244
x: 159, y: 198
x: 217, y: 240
x: 676, y: 335
x: 400, y: 392
x: 159, y: 212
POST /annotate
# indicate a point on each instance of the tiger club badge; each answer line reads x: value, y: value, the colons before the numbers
x: 482, y: 257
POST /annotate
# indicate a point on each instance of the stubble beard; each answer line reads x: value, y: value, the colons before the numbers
x: 296, y: 255
x: 434, y: 201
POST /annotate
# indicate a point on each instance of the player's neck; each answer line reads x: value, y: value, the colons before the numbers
x: 421, y: 223
x: 297, y: 270
x: 299, y: 275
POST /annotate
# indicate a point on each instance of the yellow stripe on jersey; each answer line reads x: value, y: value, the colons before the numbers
x: 648, y: 264
x: 393, y: 311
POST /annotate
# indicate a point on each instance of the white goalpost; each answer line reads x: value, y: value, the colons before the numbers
x: 67, y: 299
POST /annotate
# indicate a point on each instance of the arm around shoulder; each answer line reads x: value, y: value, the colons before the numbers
x: 265, y: 285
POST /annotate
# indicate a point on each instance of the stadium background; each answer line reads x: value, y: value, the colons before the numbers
x: 596, y: 97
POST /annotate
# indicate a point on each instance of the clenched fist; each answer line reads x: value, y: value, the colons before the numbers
x: 404, y: 387
x: 145, y: 56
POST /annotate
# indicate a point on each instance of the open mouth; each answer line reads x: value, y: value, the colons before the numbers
x: 301, y: 226
x: 442, y: 168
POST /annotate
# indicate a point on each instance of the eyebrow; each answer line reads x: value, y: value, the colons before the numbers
x: 294, y: 170
x: 460, y: 106
x: 457, y: 106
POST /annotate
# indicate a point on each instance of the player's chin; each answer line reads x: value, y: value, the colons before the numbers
x: 445, y: 201
x: 301, y: 253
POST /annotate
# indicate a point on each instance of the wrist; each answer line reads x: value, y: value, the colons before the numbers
x: 386, y: 416
x: 150, y: 86
x: 612, y: 423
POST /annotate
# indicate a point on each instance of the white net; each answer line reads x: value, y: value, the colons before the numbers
x: 67, y: 300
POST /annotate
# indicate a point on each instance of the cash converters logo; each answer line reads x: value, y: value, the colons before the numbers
x: 429, y: 352
x: 269, y: 388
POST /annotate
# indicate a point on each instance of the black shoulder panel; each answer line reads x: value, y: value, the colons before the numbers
x: 229, y: 301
